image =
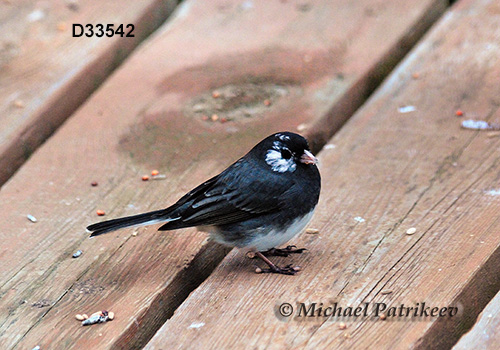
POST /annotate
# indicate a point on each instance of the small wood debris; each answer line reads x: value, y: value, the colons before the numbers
x: 81, y: 317
x: 407, y: 109
x: 36, y: 347
x: 159, y: 177
x: 479, y: 125
x: 258, y: 270
x: 100, y: 212
x: 385, y: 292
x: 493, y: 134
x: 411, y: 231
x: 98, y: 317
x: 77, y: 254
x: 359, y: 219
x: 312, y: 231
x: 94, y: 184
x: 31, y: 218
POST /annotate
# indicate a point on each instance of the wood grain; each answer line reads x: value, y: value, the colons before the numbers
x: 211, y: 58
x: 484, y: 334
x: 384, y: 173
x: 46, y: 73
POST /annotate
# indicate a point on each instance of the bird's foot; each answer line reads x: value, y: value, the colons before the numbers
x: 291, y: 249
x: 287, y: 270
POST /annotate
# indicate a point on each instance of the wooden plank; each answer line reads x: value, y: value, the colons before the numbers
x: 46, y: 73
x: 385, y: 172
x: 484, y: 334
x: 150, y: 115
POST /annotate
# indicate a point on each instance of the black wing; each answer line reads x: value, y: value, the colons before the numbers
x: 236, y: 194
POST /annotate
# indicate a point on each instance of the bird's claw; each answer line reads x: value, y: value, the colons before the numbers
x: 291, y: 249
x: 287, y: 270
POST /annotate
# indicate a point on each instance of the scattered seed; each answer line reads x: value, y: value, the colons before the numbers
x: 267, y: 103
x: 258, y: 270
x: 342, y: 325
x: 135, y: 233
x: 301, y: 127
x: 204, y: 117
x: 383, y: 317
x: 297, y: 268
x: 411, y: 231
x: 85, y: 316
x: 223, y: 120
x: 155, y: 172
x: 77, y: 254
x: 79, y: 317
x: 459, y: 113
x: 214, y: 117
x: 145, y: 178
x: 61, y: 26
x: 250, y: 255
x: 385, y: 292
x: 215, y: 94
x: 94, y: 184
x: 111, y: 315
x: 31, y: 218
x: 415, y: 75
x: 312, y: 231
x: 100, y: 212
x: 18, y: 104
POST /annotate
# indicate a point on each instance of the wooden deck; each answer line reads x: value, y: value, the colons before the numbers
x: 409, y: 210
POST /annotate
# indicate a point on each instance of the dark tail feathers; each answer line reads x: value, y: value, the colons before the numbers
x: 150, y: 218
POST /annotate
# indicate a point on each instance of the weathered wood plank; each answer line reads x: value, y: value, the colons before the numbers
x: 484, y: 334
x: 388, y: 172
x: 149, y: 115
x: 45, y: 73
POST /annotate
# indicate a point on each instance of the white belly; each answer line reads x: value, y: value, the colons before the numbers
x: 275, y: 239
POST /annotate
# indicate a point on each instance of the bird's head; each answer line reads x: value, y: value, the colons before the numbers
x: 285, y: 151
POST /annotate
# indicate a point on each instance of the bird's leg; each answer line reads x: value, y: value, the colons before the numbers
x: 287, y: 270
x: 291, y: 249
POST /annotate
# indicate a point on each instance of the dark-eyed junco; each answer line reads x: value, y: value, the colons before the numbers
x: 259, y: 202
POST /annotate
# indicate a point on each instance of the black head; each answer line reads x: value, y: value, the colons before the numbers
x: 285, y: 152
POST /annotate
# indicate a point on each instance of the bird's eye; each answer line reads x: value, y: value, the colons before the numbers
x: 285, y: 153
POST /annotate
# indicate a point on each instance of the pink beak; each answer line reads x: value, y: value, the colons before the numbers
x: 308, y: 158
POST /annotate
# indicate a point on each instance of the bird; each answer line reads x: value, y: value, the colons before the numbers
x: 258, y: 203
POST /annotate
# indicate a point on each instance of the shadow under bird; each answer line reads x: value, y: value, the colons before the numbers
x: 259, y: 202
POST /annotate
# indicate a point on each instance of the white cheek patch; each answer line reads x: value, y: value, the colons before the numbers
x: 278, y: 163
